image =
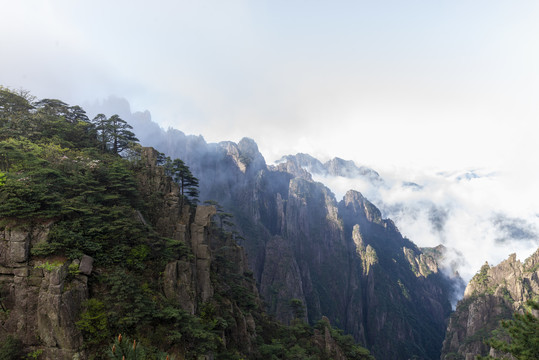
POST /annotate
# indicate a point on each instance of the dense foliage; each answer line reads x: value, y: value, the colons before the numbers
x: 59, y: 167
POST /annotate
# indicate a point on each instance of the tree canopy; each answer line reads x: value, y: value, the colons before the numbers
x: 114, y: 134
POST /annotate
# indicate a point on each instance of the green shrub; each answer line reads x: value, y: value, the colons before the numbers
x: 11, y: 349
x: 73, y: 269
x: 93, y: 323
x: 49, y: 266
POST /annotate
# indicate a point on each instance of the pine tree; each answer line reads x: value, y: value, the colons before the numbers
x: 114, y: 134
x: 182, y: 175
x: 101, y: 124
x: 121, y: 134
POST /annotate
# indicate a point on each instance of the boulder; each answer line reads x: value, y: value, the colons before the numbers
x: 86, y: 265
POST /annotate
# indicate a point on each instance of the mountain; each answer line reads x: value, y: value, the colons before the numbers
x: 340, y: 259
x: 96, y: 243
x: 494, y: 294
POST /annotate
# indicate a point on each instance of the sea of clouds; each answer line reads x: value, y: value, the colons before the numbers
x: 477, y: 215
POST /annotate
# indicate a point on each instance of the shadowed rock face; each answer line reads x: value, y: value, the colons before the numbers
x: 340, y: 259
x: 493, y: 294
x: 281, y: 279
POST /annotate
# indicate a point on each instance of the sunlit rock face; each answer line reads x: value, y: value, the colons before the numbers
x: 493, y: 294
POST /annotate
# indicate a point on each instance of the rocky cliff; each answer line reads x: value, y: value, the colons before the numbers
x: 42, y: 298
x: 493, y: 294
x: 197, y: 281
x: 39, y: 299
x: 340, y: 259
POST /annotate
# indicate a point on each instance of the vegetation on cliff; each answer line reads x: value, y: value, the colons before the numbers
x: 88, y: 180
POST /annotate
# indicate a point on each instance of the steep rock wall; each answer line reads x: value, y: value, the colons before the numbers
x: 40, y: 300
x: 192, y: 283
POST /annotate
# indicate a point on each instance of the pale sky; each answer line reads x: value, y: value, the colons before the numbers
x: 422, y: 85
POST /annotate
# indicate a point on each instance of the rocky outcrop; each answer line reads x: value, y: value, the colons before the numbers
x: 189, y: 282
x: 171, y: 213
x: 201, y: 251
x: 304, y: 161
x: 40, y: 300
x: 493, y: 294
x: 178, y: 284
x: 394, y: 291
x: 16, y: 241
x: 421, y: 264
x: 245, y: 154
x: 293, y: 168
x: 234, y: 153
x: 59, y: 304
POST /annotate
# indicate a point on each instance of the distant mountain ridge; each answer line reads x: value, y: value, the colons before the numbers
x: 333, y: 167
